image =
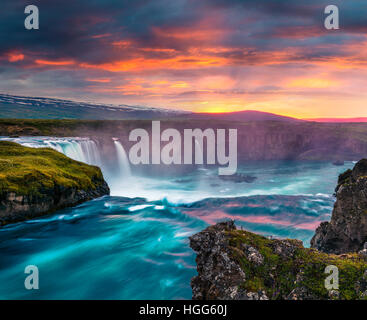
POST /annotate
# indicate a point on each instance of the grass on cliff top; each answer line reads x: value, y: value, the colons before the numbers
x: 310, y: 262
x: 30, y: 171
x: 70, y: 127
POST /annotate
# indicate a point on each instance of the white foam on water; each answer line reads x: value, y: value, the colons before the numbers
x: 202, y: 183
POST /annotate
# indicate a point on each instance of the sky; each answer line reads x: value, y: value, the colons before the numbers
x: 198, y: 55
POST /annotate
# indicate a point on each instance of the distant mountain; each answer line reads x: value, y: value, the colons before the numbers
x: 244, y: 116
x: 339, y: 120
x: 18, y: 107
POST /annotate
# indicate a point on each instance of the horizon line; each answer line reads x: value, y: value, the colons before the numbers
x: 355, y: 119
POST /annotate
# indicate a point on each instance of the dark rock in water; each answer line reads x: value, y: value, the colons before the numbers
x: 234, y: 264
x: 215, y: 185
x: 338, y: 163
x: 183, y: 180
x: 239, y: 178
x: 347, y: 230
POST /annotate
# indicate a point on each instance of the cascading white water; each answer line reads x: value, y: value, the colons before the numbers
x: 80, y: 149
x: 91, y: 152
x: 74, y: 150
x: 86, y: 150
x: 123, y: 160
x: 116, y: 170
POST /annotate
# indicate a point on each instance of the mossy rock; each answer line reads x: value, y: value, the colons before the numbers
x: 30, y: 171
x: 301, y: 266
x: 237, y: 264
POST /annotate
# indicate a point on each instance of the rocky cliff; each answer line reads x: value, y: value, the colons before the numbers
x: 35, y: 182
x: 347, y: 230
x: 236, y: 264
x: 257, y: 140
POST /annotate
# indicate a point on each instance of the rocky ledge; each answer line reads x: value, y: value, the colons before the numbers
x: 234, y: 264
x: 347, y: 230
x: 34, y: 182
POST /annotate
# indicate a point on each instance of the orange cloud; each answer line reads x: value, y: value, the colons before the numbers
x: 179, y: 62
x: 99, y: 80
x: 180, y: 85
x: 99, y: 36
x: 159, y: 50
x: 194, y: 34
x: 122, y: 43
x: 15, y: 57
x: 54, y: 63
x: 160, y: 82
x: 313, y: 83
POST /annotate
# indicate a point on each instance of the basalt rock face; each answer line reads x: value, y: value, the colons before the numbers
x: 257, y: 140
x: 234, y: 264
x: 219, y: 275
x: 347, y: 230
x: 15, y: 208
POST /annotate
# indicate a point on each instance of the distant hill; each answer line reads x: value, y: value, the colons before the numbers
x: 339, y: 120
x: 18, y: 107
x: 244, y: 116
x: 21, y: 107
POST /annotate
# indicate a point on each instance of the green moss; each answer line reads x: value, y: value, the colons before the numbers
x: 254, y: 284
x: 32, y: 171
x: 277, y: 275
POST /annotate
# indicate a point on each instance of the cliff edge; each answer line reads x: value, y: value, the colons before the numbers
x: 347, y: 229
x: 35, y: 182
x: 234, y: 264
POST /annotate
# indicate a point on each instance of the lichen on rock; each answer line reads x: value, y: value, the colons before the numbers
x: 240, y: 265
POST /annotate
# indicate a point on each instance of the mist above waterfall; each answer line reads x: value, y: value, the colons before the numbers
x: 180, y: 184
x: 113, y: 160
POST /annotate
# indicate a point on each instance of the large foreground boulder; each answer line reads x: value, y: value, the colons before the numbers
x: 234, y: 264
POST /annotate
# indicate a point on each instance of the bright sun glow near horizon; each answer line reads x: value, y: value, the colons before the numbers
x: 201, y: 56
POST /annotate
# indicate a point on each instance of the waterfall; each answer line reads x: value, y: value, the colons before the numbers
x: 73, y: 150
x: 91, y: 152
x: 123, y: 160
x: 88, y: 151
x: 83, y: 150
x: 79, y: 149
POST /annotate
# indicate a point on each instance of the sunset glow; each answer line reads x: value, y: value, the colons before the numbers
x: 208, y: 57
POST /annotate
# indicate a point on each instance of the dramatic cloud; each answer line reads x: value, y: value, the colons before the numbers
x: 207, y: 55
